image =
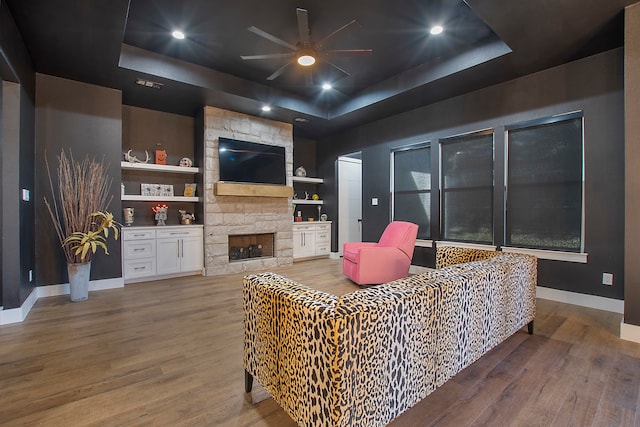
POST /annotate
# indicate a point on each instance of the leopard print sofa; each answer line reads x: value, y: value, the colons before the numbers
x: 450, y: 255
x: 363, y: 358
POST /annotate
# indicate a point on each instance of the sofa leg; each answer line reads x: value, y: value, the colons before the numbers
x: 248, y: 381
x: 530, y: 327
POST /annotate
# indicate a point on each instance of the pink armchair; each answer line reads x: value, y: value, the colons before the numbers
x: 369, y: 263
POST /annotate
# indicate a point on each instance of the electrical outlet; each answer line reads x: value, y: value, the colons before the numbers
x: 374, y: 201
x: 607, y: 279
x: 31, y: 275
x: 26, y: 196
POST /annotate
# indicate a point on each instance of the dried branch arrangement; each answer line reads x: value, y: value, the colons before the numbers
x: 83, y: 189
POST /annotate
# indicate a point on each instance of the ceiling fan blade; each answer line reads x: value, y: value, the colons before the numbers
x: 348, y: 52
x: 272, y: 38
x: 278, y: 71
x: 337, y: 68
x: 303, y: 26
x: 330, y: 36
x: 268, y: 56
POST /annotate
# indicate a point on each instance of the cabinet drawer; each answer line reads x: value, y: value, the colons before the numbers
x: 305, y: 227
x: 178, y: 233
x: 139, y: 267
x: 138, y: 234
x: 323, y: 249
x: 139, y: 249
x: 323, y: 227
x: 323, y: 236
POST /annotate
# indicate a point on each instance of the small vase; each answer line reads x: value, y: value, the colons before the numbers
x: 79, y: 281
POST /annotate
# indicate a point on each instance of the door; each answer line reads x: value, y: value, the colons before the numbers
x: 349, y: 201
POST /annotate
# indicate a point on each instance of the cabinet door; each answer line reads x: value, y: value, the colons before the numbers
x: 191, y: 254
x: 167, y: 255
x: 307, y: 242
x: 297, y: 244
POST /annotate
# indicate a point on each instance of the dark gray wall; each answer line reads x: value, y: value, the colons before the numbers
x: 594, y: 85
x: 16, y: 154
x: 144, y: 129
x: 632, y: 167
x: 304, y: 154
x: 87, y: 120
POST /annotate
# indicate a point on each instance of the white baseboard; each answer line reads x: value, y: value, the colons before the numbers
x: 629, y: 332
x: 584, y: 300
x: 17, y: 315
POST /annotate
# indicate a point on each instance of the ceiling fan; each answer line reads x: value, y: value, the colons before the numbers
x: 306, y: 52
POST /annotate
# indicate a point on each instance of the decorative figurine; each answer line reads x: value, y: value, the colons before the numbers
x: 186, y: 218
x: 186, y: 162
x: 133, y: 159
x: 161, y: 214
x: 301, y: 171
x: 127, y: 216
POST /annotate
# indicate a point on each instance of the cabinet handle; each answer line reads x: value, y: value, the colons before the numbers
x: 178, y: 233
x: 139, y: 235
x: 138, y: 249
x: 139, y: 268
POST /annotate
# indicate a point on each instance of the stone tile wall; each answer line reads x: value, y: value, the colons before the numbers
x: 228, y: 215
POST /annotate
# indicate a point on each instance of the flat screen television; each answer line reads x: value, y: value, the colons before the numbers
x: 250, y: 162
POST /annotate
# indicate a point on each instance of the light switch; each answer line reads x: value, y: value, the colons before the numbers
x: 374, y: 201
x: 25, y: 195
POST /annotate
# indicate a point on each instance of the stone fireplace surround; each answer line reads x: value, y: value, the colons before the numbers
x: 234, y: 215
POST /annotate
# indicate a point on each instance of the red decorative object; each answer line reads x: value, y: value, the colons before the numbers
x: 156, y: 208
x: 161, y: 157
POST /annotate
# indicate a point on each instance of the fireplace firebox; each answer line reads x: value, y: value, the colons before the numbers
x: 247, y: 246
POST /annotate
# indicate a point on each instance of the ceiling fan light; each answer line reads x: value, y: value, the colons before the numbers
x: 306, y: 60
x: 326, y: 86
x: 178, y: 34
x: 436, y: 29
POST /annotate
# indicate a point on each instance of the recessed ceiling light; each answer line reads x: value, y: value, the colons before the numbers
x: 326, y: 86
x: 436, y: 29
x: 266, y: 108
x: 178, y: 34
x: 306, y: 60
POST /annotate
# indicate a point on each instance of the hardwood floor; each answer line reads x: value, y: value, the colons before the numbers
x: 170, y: 353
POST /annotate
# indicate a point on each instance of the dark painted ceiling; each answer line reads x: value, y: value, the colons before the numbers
x: 114, y: 42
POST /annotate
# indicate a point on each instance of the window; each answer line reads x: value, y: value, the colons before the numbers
x: 545, y: 183
x: 467, y: 188
x: 411, y: 187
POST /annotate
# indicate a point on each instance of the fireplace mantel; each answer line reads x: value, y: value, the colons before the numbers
x: 252, y: 190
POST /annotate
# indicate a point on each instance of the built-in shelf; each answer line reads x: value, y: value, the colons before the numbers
x: 307, y: 179
x: 159, y: 168
x: 139, y: 198
x: 307, y: 202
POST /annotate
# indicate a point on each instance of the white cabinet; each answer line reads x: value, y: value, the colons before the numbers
x: 178, y: 250
x: 311, y: 239
x: 303, y: 241
x: 323, y: 238
x: 154, y: 252
x: 138, y: 253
